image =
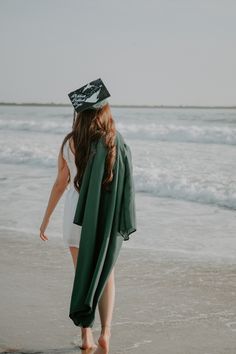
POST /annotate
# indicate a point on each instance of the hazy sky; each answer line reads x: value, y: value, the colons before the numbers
x: 146, y: 51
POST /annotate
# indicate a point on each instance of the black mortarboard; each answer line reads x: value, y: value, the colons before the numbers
x: 93, y: 95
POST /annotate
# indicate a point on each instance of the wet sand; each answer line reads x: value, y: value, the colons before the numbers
x: 165, y: 303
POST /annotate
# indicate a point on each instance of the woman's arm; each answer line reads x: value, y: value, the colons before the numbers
x: 58, y: 189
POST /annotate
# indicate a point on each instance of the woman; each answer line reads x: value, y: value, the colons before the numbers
x: 89, y: 127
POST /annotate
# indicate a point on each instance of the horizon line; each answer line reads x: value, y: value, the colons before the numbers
x: 47, y: 104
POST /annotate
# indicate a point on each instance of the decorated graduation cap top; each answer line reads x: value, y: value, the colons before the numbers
x: 93, y: 95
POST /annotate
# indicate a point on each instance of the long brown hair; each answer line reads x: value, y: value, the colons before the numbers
x: 88, y: 126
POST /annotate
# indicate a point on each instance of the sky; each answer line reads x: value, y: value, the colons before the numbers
x: 147, y: 52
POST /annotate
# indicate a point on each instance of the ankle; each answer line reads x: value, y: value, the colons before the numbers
x: 106, y: 330
x: 85, y: 330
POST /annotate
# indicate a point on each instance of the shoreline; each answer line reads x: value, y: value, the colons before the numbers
x: 168, y: 255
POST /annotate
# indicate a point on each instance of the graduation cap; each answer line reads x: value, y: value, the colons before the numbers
x: 90, y: 96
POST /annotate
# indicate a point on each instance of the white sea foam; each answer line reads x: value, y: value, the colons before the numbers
x: 149, y: 179
x: 208, y: 134
x: 181, y: 154
x: 186, y: 188
x: 27, y: 155
x: 44, y: 126
x: 180, y: 133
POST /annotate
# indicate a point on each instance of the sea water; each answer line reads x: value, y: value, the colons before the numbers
x: 184, y: 166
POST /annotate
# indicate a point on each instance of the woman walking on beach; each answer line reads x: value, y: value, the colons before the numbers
x: 99, y: 210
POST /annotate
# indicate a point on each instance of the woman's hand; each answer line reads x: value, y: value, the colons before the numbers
x: 58, y: 189
x: 42, y: 230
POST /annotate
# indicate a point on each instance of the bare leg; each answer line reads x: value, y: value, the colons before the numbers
x: 74, y: 253
x: 106, y: 306
x: 86, y: 332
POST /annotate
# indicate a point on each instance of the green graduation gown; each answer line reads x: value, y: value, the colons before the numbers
x: 107, y: 217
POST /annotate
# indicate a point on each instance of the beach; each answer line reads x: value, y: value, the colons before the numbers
x: 175, y: 277
x: 167, y: 70
x: 164, y: 304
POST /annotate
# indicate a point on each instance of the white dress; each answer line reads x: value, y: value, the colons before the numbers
x: 71, y: 231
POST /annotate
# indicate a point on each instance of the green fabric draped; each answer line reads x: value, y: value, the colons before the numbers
x: 108, y: 218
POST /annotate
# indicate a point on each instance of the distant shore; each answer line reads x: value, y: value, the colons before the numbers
x: 45, y: 104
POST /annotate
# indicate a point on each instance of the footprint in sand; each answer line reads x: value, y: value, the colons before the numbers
x: 232, y: 326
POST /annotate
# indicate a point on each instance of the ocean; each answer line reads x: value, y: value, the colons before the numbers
x: 184, y: 164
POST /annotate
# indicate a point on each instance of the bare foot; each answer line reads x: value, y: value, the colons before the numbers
x: 87, y: 339
x: 103, y: 341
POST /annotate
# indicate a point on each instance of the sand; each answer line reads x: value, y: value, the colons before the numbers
x: 165, y: 304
